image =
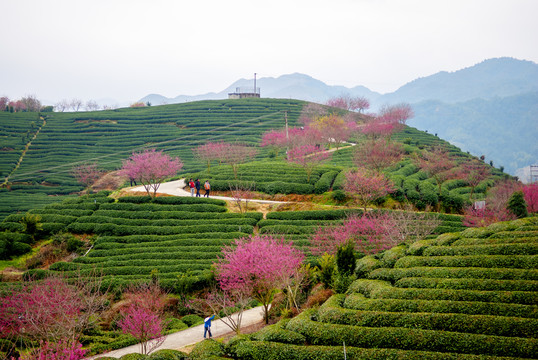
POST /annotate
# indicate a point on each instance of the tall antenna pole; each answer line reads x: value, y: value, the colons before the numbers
x: 254, y: 83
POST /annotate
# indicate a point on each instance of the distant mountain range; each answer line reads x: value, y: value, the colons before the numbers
x: 488, y: 109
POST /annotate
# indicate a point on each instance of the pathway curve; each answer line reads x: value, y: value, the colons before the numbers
x: 176, y: 188
x: 192, y: 335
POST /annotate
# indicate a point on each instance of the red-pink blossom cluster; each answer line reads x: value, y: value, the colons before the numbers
x: 370, y: 233
x: 151, y: 167
x: 367, y: 186
x: 62, y: 350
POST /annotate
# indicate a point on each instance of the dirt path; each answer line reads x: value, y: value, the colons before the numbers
x: 193, y: 335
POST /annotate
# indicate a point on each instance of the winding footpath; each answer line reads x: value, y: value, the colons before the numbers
x: 176, y: 188
x: 192, y: 335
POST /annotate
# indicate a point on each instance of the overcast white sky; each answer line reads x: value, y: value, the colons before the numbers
x: 126, y: 49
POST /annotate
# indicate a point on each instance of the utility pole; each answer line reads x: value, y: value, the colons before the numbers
x: 286, y: 119
x: 254, y: 83
x: 287, y: 135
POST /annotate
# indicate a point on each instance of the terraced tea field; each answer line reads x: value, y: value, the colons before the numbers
x: 136, y: 237
x: 108, y: 137
x: 466, y: 295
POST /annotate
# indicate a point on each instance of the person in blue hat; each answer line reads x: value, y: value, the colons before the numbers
x: 207, y: 326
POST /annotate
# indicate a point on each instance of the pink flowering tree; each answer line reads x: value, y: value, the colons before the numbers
x: 236, y: 154
x: 209, y: 152
x: 475, y: 172
x: 390, y: 119
x: 260, y: 264
x: 143, y: 315
x: 366, y: 186
x: 370, y: 233
x: 347, y: 102
x: 377, y: 154
x: 438, y: 165
x: 145, y: 325
x: 530, y: 192
x: 276, y: 139
x: 63, y: 350
x: 334, y: 129
x: 307, y: 156
x: 51, y: 312
x: 495, y: 208
x: 87, y: 174
x: 151, y: 167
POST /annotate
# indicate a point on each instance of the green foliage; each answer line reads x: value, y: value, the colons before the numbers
x: 327, y: 270
x: 339, y: 196
x: 192, y: 320
x: 166, y: 354
x: 517, y: 205
x: 207, y: 349
x: 320, y: 333
x: 346, y: 259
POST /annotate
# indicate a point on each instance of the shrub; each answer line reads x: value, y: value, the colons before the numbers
x: 339, y: 196
x: 207, y: 349
x: 277, y: 351
x: 332, y: 312
x: 318, y: 333
x: 487, y: 261
x: 325, y: 181
x: 313, y: 215
x: 517, y: 205
x: 166, y: 354
x: 359, y: 302
x: 192, y: 320
x: 367, y: 264
x: 277, y: 333
x: 456, y: 272
x: 383, y: 289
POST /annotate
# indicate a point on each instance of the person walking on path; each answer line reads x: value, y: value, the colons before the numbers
x: 197, y: 184
x: 207, y: 187
x: 191, y: 185
x: 207, y: 326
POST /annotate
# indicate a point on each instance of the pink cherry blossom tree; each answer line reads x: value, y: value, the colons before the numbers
x: 370, y: 233
x: 438, y: 165
x: 236, y: 154
x: 261, y: 264
x: 377, y: 154
x: 390, y: 119
x: 366, y: 186
x: 52, y: 312
x: 144, y: 325
x: 334, y: 129
x: 87, y: 174
x: 151, y: 167
x: 307, y: 156
x: 63, y: 350
x: 143, y: 315
x: 475, y: 172
x: 347, y: 102
x: 530, y: 192
x: 211, y: 151
x: 276, y: 139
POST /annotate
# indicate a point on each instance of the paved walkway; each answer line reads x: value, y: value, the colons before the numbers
x: 176, y: 188
x: 192, y: 335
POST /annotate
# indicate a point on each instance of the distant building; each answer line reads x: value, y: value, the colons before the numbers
x: 245, y: 92
x: 242, y: 93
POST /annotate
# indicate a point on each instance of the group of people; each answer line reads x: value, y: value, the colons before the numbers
x: 196, y: 185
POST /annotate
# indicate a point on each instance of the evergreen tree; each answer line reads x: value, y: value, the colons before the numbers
x: 517, y: 205
x: 345, y: 258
